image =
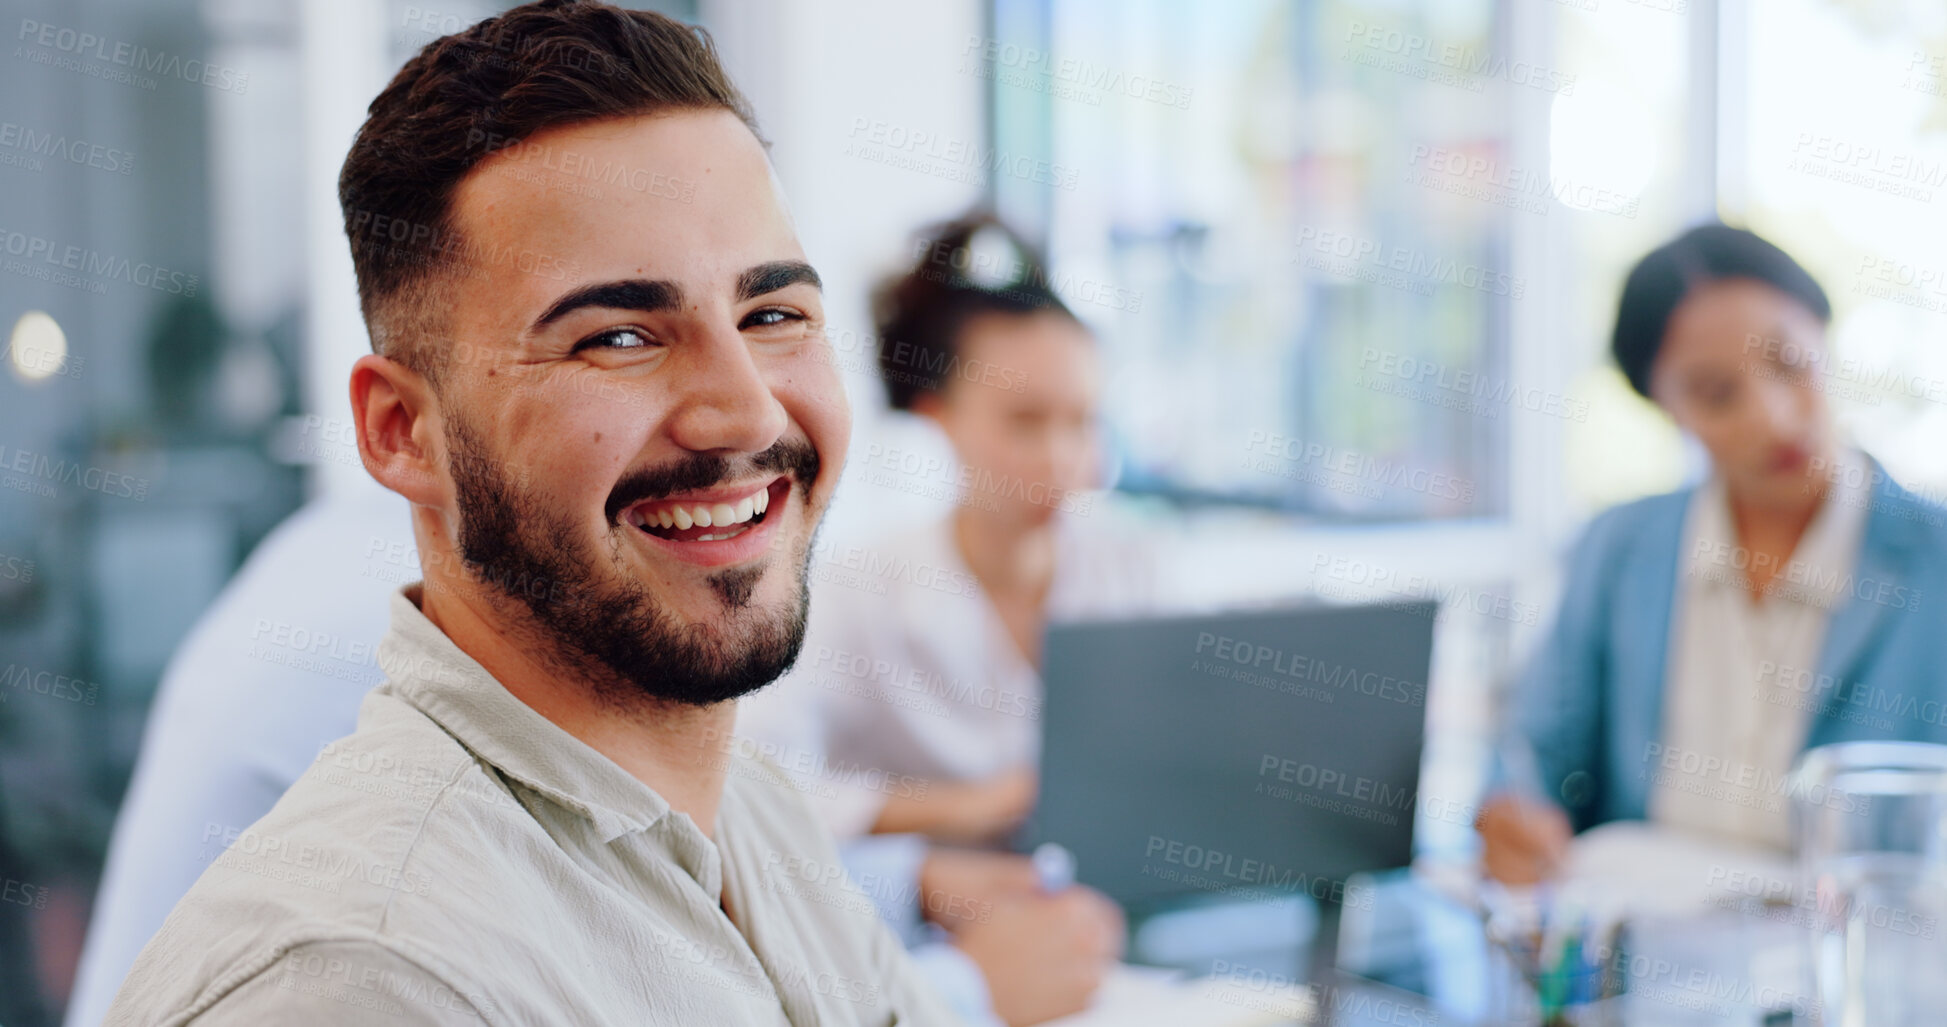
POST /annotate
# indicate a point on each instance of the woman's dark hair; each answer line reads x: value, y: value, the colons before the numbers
x: 963, y: 269
x: 1662, y: 280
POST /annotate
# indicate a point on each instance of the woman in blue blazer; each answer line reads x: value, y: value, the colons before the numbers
x: 1708, y: 636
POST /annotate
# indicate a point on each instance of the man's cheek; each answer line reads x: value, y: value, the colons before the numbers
x: 814, y: 397
x: 815, y: 375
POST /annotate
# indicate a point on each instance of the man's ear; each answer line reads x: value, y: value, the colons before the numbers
x: 397, y: 417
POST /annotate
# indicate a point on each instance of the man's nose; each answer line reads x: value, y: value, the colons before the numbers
x: 1783, y: 407
x: 725, y: 402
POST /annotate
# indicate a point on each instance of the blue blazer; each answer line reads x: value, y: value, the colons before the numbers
x: 1591, y: 702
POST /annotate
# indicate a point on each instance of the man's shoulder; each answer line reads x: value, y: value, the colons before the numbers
x: 388, y: 825
x: 321, y: 976
x: 759, y: 783
x: 766, y: 805
x: 376, y: 815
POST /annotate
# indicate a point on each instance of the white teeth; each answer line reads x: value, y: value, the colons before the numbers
x: 702, y: 516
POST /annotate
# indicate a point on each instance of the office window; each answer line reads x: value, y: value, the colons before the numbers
x: 1831, y: 140
x: 1290, y: 221
x: 1641, y: 120
x: 1836, y: 148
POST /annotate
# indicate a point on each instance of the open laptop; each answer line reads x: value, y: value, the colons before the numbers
x: 1262, y: 753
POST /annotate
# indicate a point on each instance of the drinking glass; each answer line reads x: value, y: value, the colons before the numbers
x: 1871, y: 836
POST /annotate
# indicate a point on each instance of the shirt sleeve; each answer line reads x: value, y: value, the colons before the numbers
x: 1558, y: 697
x: 341, y: 982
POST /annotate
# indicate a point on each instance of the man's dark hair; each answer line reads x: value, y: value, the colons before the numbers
x: 964, y: 269
x: 463, y: 97
x: 1661, y: 281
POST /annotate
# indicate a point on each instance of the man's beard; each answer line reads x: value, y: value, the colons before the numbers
x: 609, y: 627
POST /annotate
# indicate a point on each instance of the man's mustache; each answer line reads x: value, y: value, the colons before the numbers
x: 795, y: 457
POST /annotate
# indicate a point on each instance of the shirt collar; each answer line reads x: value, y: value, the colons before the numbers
x: 1819, y: 566
x: 425, y: 669
x: 1832, y: 541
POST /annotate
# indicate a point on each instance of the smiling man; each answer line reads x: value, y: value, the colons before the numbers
x: 601, y: 380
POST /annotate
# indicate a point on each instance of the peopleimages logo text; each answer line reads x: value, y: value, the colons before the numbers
x: 90, y: 46
x: 95, y: 264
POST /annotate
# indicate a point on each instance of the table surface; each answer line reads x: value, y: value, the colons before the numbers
x: 1413, y: 957
x: 1728, y: 963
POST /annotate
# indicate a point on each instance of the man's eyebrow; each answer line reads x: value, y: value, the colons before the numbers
x: 768, y: 278
x: 627, y: 294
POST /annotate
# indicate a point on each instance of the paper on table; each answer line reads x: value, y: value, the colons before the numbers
x: 1137, y: 996
x: 1636, y: 872
x: 1631, y: 868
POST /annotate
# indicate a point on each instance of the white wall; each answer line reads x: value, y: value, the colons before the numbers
x: 820, y: 73
x: 344, y: 53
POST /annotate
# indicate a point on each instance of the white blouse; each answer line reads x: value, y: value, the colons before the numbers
x: 1733, y: 724
x: 908, y: 674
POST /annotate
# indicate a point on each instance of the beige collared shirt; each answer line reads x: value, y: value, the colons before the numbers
x: 1732, y: 723
x: 461, y: 859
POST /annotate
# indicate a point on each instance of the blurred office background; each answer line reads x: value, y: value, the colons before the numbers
x: 1354, y: 262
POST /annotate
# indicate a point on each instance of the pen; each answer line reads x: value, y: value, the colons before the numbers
x: 1054, y: 867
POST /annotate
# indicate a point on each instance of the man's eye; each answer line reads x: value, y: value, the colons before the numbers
x: 770, y: 317
x: 615, y: 338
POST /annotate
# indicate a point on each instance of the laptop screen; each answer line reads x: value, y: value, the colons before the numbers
x: 1269, y: 752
